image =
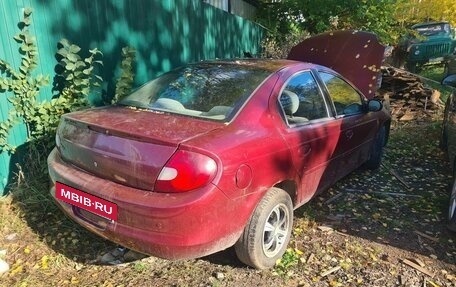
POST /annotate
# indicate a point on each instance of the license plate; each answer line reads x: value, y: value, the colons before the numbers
x: 94, y: 204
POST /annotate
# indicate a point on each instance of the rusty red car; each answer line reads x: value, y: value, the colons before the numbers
x: 220, y: 153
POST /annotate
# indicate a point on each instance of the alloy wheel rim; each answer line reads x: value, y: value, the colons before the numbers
x: 275, y: 230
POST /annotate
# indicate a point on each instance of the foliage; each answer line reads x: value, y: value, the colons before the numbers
x: 416, y: 11
x: 75, y: 79
x: 76, y: 76
x: 273, y: 48
x: 125, y: 81
x: 317, y: 16
x: 389, y: 19
x: 290, y: 258
x: 21, y: 83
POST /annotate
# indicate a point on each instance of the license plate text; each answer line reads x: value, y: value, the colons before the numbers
x: 86, y: 201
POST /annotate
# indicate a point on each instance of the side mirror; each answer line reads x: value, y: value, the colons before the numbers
x: 449, y: 81
x: 374, y: 106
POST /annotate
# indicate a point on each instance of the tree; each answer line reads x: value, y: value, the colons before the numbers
x: 416, y: 11
x: 316, y: 16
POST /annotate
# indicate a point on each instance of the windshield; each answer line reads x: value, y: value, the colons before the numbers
x: 435, y: 29
x: 208, y: 90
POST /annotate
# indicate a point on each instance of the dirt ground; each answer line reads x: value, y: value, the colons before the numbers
x: 366, y: 231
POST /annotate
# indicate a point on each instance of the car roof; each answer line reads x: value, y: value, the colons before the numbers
x: 271, y: 65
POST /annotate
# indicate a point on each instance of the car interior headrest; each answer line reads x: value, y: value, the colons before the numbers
x: 169, y: 104
x: 289, y: 102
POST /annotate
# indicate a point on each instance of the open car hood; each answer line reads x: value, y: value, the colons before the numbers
x: 356, y: 55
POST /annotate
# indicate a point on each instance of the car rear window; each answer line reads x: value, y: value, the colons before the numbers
x: 207, y: 90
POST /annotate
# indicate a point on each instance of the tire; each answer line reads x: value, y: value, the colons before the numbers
x: 443, y: 142
x: 414, y: 67
x: 452, y: 209
x: 376, y: 152
x: 411, y: 67
x: 266, y: 235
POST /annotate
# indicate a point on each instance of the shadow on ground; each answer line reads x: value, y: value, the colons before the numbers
x: 32, y: 200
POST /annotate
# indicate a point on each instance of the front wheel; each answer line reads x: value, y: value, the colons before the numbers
x: 375, y: 157
x: 414, y: 67
x: 266, y: 235
x: 443, y: 142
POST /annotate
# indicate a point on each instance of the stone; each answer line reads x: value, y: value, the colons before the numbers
x: 4, y: 267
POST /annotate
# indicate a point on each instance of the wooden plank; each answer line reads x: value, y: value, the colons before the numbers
x: 418, y: 268
x: 333, y: 198
x: 332, y: 270
x: 426, y: 236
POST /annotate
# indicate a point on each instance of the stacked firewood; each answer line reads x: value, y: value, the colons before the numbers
x: 409, y: 97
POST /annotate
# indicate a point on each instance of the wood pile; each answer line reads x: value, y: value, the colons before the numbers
x: 409, y: 97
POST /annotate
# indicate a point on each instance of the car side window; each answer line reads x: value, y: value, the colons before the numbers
x: 301, y: 99
x: 346, y: 99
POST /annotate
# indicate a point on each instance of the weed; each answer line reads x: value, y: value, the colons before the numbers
x: 140, y: 267
x: 290, y: 258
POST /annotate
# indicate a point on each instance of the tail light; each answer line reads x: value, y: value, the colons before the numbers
x: 185, y: 171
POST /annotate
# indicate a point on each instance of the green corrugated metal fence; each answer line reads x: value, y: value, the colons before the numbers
x: 165, y: 34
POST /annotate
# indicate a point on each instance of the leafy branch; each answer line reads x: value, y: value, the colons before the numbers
x: 23, y: 86
x: 76, y: 78
x: 125, y: 81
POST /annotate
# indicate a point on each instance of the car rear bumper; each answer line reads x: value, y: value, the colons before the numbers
x: 171, y: 226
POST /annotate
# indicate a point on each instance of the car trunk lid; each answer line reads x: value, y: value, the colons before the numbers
x: 125, y: 145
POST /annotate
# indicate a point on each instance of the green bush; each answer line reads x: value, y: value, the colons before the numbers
x: 23, y: 86
x: 76, y: 78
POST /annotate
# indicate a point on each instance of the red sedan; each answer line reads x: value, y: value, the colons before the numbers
x: 215, y: 154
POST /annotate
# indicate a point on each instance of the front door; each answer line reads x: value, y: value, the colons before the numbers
x: 357, y: 127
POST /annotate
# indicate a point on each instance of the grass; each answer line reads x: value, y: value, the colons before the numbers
x: 40, y: 241
x: 433, y: 76
x: 434, y: 72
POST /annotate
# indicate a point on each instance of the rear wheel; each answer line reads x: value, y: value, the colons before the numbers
x: 375, y: 157
x: 266, y: 235
x: 452, y: 209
